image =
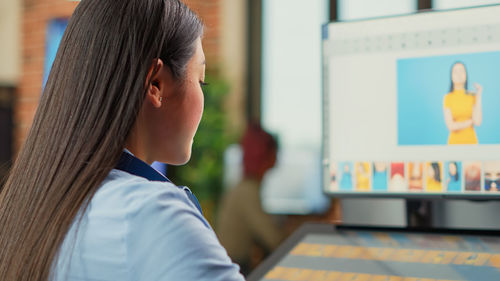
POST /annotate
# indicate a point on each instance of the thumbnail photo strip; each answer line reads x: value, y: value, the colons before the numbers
x: 450, y: 177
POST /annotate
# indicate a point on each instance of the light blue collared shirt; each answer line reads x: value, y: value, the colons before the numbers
x: 136, y: 229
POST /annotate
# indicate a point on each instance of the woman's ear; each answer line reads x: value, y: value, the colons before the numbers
x: 155, y: 89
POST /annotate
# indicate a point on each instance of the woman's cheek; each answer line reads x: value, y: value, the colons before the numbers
x: 195, y: 112
x: 201, y: 105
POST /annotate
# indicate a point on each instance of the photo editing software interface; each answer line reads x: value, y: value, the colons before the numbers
x: 365, y: 255
x: 411, y: 105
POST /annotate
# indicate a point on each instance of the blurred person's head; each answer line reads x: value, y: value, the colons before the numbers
x: 379, y: 167
x: 434, y: 172
x: 416, y: 171
x: 347, y: 169
x: 473, y: 172
x: 458, y: 76
x: 333, y: 171
x: 120, y: 65
x: 453, y: 170
x: 397, y: 168
x: 363, y: 169
x: 491, y: 175
x: 259, y: 151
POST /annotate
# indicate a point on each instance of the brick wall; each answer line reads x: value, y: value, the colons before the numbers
x: 34, y: 19
x: 210, y: 13
x: 36, y: 15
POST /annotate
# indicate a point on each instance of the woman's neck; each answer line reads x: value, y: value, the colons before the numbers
x: 138, y: 147
x: 459, y: 86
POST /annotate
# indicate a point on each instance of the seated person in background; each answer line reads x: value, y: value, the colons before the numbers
x: 242, y: 222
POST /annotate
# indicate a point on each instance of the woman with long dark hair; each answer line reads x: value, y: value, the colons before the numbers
x: 462, y: 108
x: 453, y: 181
x: 434, y: 182
x: 81, y: 201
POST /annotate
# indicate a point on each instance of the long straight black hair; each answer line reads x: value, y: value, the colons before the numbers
x: 91, y: 100
x: 437, y: 171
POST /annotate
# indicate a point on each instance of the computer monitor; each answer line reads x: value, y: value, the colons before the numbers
x: 411, y: 105
x: 319, y: 252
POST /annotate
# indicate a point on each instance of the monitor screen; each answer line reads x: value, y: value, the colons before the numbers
x: 410, y: 105
x: 321, y: 252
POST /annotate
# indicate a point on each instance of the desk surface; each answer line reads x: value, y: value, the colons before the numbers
x: 325, y: 252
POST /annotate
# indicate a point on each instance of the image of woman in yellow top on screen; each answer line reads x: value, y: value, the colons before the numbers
x: 462, y: 108
x: 434, y: 182
x: 363, y: 176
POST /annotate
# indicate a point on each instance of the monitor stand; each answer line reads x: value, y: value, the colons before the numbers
x: 419, y: 213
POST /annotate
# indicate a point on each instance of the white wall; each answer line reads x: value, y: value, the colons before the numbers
x: 10, y: 38
x: 233, y: 53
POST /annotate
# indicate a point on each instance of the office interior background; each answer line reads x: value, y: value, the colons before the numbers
x: 263, y: 66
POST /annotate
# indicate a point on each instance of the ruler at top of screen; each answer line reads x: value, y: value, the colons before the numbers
x: 425, y: 39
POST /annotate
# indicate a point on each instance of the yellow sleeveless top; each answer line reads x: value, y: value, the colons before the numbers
x: 461, y: 106
x: 433, y: 185
x: 362, y: 178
